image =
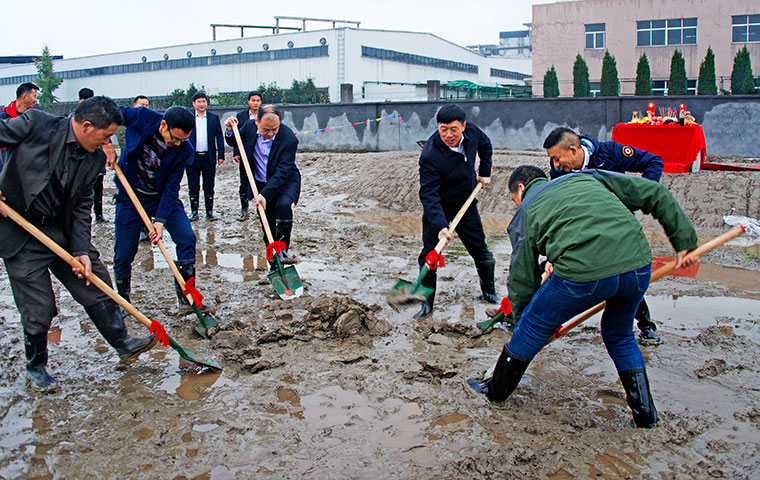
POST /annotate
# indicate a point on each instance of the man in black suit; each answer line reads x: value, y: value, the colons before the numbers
x: 53, y: 163
x: 271, y: 150
x: 254, y: 103
x: 208, y: 141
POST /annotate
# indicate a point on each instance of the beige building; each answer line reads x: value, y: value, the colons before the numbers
x: 630, y: 28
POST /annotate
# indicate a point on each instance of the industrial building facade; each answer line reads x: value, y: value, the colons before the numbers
x: 379, y: 65
x: 630, y: 28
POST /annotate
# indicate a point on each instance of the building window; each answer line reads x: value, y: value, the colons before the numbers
x: 595, y: 88
x: 745, y: 28
x: 595, y: 35
x: 402, y: 57
x: 675, y: 31
x: 659, y: 87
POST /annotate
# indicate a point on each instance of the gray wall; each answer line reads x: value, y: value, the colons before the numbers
x: 731, y: 123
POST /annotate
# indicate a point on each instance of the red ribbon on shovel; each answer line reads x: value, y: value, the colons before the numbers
x: 434, y: 260
x: 505, y: 307
x: 158, y: 329
x: 190, y: 289
x: 275, y: 247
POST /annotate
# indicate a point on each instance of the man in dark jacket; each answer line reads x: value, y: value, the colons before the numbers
x: 208, y: 141
x: 243, y: 116
x: 447, y: 178
x: 26, y: 97
x: 570, y: 152
x: 52, y: 165
x: 153, y: 161
x: 598, y: 255
x: 271, y: 151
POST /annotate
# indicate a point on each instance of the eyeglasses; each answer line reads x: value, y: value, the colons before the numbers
x: 174, y: 139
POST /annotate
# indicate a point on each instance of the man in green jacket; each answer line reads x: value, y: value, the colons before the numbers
x: 599, y: 254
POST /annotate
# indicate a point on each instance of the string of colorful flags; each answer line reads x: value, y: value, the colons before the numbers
x: 327, y: 129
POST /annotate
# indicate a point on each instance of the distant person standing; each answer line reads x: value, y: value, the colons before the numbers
x: 85, y: 93
x: 243, y: 116
x: 26, y: 98
x: 208, y: 140
x: 141, y: 101
x: 97, y: 189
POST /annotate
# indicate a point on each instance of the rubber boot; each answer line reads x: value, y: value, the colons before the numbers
x: 243, y: 207
x: 506, y: 375
x: 283, y: 229
x: 647, y: 335
x: 427, y: 307
x: 187, y: 270
x: 124, y: 286
x: 194, y: 201
x: 487, y: 287
x: 35, y: 347
x: 209, y: 199
x: 109, y: 322
x: 639, y: 398
x: 97, y: 208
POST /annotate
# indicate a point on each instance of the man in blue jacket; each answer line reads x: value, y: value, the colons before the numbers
x: 153, y: 161
x: 208, y: 141
x: 570, y: 152
x: 447, y: 178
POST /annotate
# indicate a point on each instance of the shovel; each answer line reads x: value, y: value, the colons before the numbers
x: 154, y: 326
x: 285, y: 280
x: 659, y: 273
x: 205, y: 321
x: 406, y: 293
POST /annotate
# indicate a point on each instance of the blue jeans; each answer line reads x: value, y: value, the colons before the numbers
x: 128, y: 225
x: 558, y: 300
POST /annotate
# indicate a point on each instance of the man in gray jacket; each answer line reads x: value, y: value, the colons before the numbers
x: 52, y: 164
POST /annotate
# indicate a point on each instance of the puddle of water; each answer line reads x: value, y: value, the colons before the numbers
x: 189, y: 383
x: 732, y: 277
x: 205, y: 427
x: 688, y: 315
x: 290, y: 396
x: 448, y: 420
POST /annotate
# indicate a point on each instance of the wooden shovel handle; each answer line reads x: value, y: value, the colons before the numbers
x: 68, y: 258
x: 252, y: 182
x: 453, y: 225
x: 659, y: 273
x: 151, y: 228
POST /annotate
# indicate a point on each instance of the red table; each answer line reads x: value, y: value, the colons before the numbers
x: 682, y: 149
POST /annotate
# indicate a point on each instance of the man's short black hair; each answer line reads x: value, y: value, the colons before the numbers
x: 524, y: 174
x: 138, y: 98
x: 200, y: 95
x: 86, y: 93
x: 26, y: 88
x: 254, y: 94
x: 450, y: 113
x: 266, y: 110
x: 562, y: 136
x: 179, y: 117
x: 100, y: 111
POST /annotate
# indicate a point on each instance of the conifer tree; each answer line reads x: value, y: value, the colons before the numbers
x: 742, y: 81
x: 551, y: 83
x: 677, y: 82
x: 706, y: 84
x: 581, y: 85
x: 610, y: 85
x: 643, y: 77
x: 48, y: 81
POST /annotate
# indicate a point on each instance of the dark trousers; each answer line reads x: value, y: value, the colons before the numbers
x: 202, y: 165
x: 245, y: 187
x: 280, y: 209
x: 469, y: 230
x: 128, y: 225
x: 29, y: 274
x: 97, y: 201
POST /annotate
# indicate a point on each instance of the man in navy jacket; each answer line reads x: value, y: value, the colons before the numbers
x: 153, y: 161
x: 209, y: 149
x: 447, y: 178
x: 570, y: 152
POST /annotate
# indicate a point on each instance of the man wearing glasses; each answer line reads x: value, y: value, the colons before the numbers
x: 153, y: 161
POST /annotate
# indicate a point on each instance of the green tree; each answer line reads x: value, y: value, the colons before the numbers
x: 48, y: 81
x: 706, y: 84
x: 551, y: 83
x: 302, y: 92
x: 581, y: 85
x: 677, y: 81
x: 643, y: 77
x: 271, y: 93
x: 742, y: 81
x: 610, y: 85
x: 191, y: 91
x: 177, y: 97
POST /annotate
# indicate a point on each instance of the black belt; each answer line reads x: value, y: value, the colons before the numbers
x: 201, y: 154
x: 45, y: 219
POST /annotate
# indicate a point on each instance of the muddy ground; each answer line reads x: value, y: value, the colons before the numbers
x: 337, y: 385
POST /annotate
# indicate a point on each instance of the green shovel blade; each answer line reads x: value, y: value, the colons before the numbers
x: 286, y: 281
x: 487, y: 325
x: 205, y: 321
x: 193, y: 357
x: 406, y: 293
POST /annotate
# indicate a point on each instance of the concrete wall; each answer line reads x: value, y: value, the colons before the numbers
x: 730, y: 122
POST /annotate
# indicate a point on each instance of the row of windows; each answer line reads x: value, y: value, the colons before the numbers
x: 745, y: 28
x: 659, y: 88
x: 227, y: 59
x: 495, y: 72
x: 402, y: 57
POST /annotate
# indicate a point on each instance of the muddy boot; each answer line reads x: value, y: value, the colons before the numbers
x: 427, y: 307
x: 486, y: 273
x: 35, y: 347
x: 187, y: 270
x: 639, y: 398
x: 123, y: 288
x: 506, y: 375
x: 283, y: 229
x: 243, y: 208
x: 209, y: 199
x: 647, y: 335
x: 109, y: 322
x: 194, y: 201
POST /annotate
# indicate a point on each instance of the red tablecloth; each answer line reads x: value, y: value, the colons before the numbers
x: 682, y: 149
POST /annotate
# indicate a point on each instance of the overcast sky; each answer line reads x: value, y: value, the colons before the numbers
x: 76, y: 28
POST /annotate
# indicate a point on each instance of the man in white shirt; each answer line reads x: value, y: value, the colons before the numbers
x: 208, y: 141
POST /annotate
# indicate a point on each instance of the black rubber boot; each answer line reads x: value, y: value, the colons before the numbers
x: 486, y: 275
x: 194, y: 202
x: 282, y: 234
x: 209, y: 199
x: 243, y: 208
x: 97, y: 208
x: 429, y: 281
x: 35, y: 347
x: 639, y: 397
x: 109, y: 322
x: 506, y: 375
x: 647, y: 335
x: 124, y: 286
x: 187, y: 270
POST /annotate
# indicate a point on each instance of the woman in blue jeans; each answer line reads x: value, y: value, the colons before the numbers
x: 582, y: 224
